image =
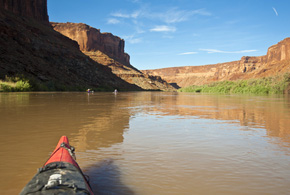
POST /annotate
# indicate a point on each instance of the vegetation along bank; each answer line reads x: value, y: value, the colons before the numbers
x: 267, y: 85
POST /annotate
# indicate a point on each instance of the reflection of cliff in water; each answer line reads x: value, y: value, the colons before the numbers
x: 90, y: 121
x: 106, y: 127
x: 269, y: 112
x: 10, y: 99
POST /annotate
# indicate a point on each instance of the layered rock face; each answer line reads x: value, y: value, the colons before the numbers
x: 108, y: 50
x: 279, y: 52
x: 34, y: 50
x: 36, y: 9
x: 276, y: 61
x: 131, y: 75
x: 91, y: 39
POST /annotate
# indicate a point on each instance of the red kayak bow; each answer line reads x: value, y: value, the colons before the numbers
x: 63, y: 153
x: 60, y: 174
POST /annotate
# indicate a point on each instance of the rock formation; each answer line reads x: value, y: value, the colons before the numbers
x: 34, y: 50
x: 108, y: 50
x: 276, y: 61
x: 91, y: 39
x: 36, y: 9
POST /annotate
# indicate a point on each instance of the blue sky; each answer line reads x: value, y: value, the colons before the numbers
x: 171, y: 33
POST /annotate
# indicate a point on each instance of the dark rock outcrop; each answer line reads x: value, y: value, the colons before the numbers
x: 36, y: 9
x: 34, y: 50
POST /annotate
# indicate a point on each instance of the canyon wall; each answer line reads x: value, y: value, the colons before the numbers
x: 36, y: 9
x: 91, y: 39
x: 276, y: 61
x: 31, y: 49
x: 108, y: 50
x: 130, y: 75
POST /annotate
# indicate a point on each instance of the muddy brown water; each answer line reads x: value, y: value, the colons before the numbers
x: 151, y: 142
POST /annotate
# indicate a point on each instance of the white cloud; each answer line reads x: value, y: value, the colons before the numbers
x: 188, y: 53
x: 136, y: 18
x: 275, y: 11
x: 135, y: 14
x: 201, y: 12
x: 163, y: 28
x: 132, y: 39
x: 113, y: 21
x: 121, y: 15
x: 220, y: 51
x: 138, y: 26
x: 175, y: 15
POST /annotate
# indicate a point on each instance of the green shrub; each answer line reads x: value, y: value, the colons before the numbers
x: 268, y: 85
x: 11, y: 84
x: 22, y: 86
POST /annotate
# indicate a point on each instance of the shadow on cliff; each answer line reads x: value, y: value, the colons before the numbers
x: 105, y: 178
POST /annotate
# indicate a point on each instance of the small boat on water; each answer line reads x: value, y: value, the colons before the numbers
x: 60, y: 174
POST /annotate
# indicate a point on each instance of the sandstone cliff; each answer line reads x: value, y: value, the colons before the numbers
x: 34, y: 50
x: 36, y: 9
x: 108, y: 50
x: 276, y: 61
x: 91, y: 39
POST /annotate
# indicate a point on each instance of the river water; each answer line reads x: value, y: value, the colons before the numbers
x: 151, y: 142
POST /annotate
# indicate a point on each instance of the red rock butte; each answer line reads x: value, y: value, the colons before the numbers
x: 91, y: 39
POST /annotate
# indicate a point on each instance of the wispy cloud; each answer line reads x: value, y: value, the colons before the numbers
x: 175, y: 15
x: 162, y: 21
x: 188, y: 53
x: 275, y: 11
x: 135, y: 40
x: 113, y: 21
x: 132, y: 39
x: 120, y: 14
x: 163, y: 28
x: 132, y: 15
x: 169, y: 16
x: 220, y: 51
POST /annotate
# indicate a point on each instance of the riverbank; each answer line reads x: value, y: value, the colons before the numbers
x: 21, y: 84
x: 268, y: 85
x: 14, y: 84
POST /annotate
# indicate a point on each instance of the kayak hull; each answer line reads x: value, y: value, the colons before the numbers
x: 60, y: 174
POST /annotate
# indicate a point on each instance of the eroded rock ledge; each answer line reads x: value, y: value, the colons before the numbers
x: 91, y: 39
x: 108, y: 50
x: 276, y: 61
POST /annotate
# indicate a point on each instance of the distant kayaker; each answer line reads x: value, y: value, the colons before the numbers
x: 116, y: 91
x: 88, y: 90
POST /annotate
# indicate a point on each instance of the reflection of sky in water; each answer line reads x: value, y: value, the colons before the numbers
x: 178, y: 142
x: 164, y: 150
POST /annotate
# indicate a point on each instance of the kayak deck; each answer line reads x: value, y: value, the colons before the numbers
x: 60, y: 174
